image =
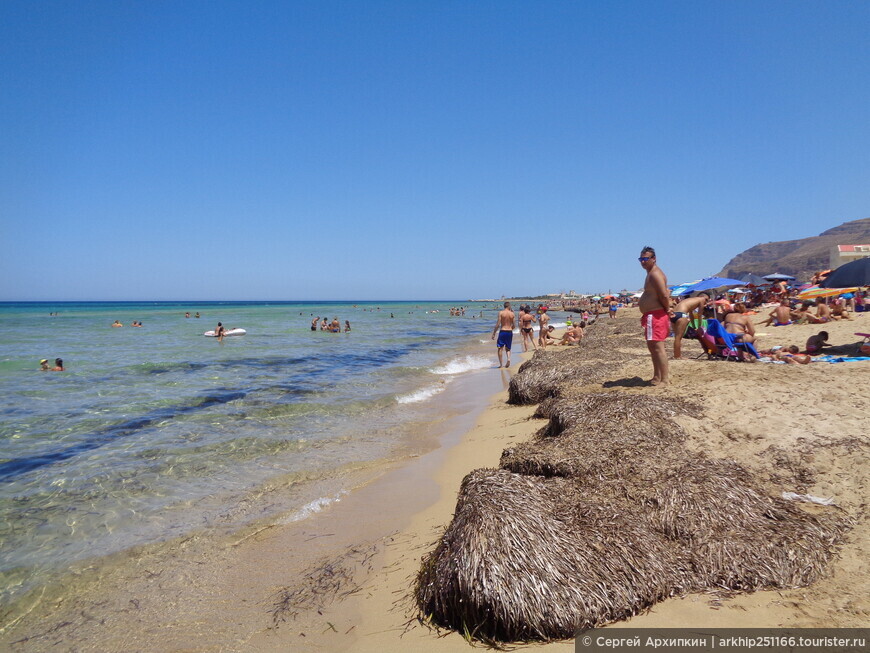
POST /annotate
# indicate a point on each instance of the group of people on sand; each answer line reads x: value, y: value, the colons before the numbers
x: 659, y: 315
x: 45, y: 366
x: 329, y: 327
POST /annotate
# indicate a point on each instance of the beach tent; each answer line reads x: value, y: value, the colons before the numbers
x: 856, y: 273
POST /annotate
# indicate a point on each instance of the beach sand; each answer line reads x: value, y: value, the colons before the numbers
x: 799, y: 428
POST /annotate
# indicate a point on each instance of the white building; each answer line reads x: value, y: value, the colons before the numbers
x: 845, y: 253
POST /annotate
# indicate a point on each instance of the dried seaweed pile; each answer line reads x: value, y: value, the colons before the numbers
x: 604, y: 513
x: 541, y: 376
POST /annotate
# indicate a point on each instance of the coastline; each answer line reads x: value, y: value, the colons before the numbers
x: 746, y: 419
x: 366, y: 574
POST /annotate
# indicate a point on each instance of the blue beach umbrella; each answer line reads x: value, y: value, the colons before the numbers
x: 778, y: 277
x: 856, y: 273
x: 712, y: 283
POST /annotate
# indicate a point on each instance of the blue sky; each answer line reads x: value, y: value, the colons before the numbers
x: 411, y: 150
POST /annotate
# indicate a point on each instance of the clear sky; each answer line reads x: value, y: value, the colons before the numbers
x: 417, y: 150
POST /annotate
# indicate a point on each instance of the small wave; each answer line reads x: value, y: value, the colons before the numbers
x: 463, y: 364
x: 422, y: 394
x: 313, y: 507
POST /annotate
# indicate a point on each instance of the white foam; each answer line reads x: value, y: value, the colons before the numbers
x: 313, y: 507
x: 463, y: 364
x: 421, y: 395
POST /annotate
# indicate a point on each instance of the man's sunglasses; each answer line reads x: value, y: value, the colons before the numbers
x: 644, y: 259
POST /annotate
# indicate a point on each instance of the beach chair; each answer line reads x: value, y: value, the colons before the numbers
x: 728, y: 347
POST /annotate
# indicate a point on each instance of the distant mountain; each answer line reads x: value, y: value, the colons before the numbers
x: 799, y: 258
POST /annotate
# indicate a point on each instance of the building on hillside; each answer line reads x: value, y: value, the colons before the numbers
x: 845, y: 253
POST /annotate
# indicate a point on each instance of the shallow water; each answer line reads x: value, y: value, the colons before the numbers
x: 152, y: 432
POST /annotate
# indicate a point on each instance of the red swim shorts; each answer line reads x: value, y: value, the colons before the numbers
x: 656, y: 325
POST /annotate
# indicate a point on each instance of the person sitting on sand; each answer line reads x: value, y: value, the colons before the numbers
x: 782, y: 315
x: 823, y: 312
x: 572, y: 336
x: 544, y: 321
x: 803, y: 315
x: 546, y: 336
x: 839, y: 312
x: 682, y: 314
x: 815, y: 343
x: 739, y: 325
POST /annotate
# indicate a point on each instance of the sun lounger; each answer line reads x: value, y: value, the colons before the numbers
x: 728, y: 346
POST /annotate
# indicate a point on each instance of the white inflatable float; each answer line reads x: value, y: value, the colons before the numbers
x: 228, y: 332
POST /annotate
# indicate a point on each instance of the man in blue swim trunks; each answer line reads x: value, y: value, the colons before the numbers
x: 504, y: 325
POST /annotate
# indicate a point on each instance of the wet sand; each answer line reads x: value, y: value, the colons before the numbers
x: 802, y: 427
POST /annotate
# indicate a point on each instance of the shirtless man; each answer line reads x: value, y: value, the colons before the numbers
x: 681, y: 317
x: 504, y: 325
x: 526, y: 321
x: 654, y: 304
x: 58, y: 365
x: 335, y: 326
x: 220, y: 331
x: 544, y: 321
x: 314, y: 323
x: 739, y: 325
x: 780, y: 316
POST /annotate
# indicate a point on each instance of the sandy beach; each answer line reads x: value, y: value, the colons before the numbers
x: 798, y: 428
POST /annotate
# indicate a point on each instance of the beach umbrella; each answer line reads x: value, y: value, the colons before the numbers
x: 596, y: 298
x: 754, y: 280
x: 778, y: 277
x: 856, y: 273
x: 816, y: 292
x: 711, y: 283
x: 679, y: 289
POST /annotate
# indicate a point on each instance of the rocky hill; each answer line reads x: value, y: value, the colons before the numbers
x: 799, y: 258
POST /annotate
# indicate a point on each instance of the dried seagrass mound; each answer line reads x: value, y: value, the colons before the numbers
x: 532, y: 559
x: 600, y: 411
x: 624, y: 450
x: 529, y: 558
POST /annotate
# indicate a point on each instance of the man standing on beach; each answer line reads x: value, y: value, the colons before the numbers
x: 505, y: 327
x: 654, y: 303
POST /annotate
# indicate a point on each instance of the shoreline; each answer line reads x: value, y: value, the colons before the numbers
x: 368, y: 605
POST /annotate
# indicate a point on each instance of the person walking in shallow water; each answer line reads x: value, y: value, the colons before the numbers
x: 654, y: 303
x: 504, y: 325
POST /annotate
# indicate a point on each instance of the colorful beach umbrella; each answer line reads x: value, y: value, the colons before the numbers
x: 817, y: 292
x: 854, y: 274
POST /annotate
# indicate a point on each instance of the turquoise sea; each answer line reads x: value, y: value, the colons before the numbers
x: 154, y: 432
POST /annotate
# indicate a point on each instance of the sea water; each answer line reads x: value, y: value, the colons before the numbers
x: 157, y: 431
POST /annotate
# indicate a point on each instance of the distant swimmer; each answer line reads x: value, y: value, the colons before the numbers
x: 335, y: 325
x: 117, y: 323
x: 187, y: 315
x: 136, y: 324
x: 58, y: 365
x: 347, y: 326
x: 196, y: 316
x: 43, y: 365
x: 504, y: 325
x: 314, y: 323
